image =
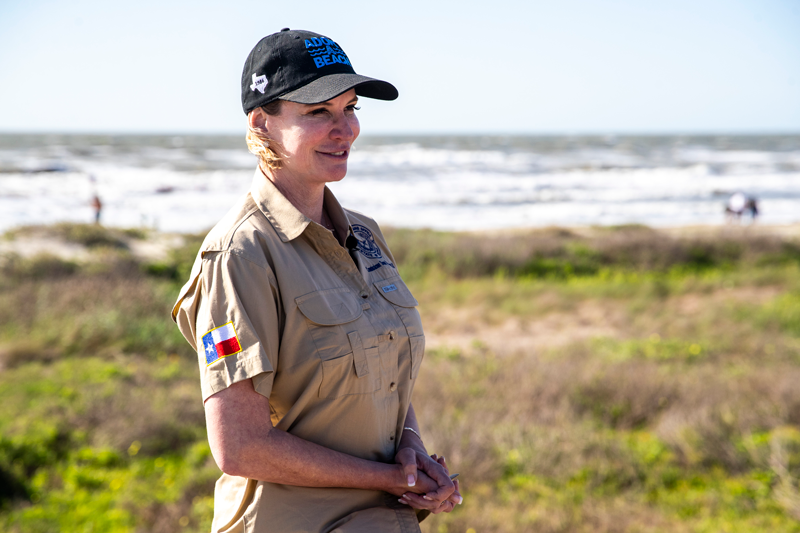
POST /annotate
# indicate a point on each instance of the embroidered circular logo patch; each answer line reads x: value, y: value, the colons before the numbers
x: 366, y: 242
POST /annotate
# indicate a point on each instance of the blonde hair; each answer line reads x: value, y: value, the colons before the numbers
x: 258, y: 142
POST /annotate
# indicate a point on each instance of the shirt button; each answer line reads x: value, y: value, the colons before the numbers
x: 364, y: 294
x: 393, y: 386
x: 391, y: 335
x: 391, y: 437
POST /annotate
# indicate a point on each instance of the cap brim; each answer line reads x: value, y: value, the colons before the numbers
x: 330, y: 86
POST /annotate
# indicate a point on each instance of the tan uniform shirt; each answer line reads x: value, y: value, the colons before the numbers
x: 274, y: 297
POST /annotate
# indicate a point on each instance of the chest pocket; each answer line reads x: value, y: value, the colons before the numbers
x: 349, y: 367
x: 397, y: 293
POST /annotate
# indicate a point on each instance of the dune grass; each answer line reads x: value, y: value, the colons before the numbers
x: 605, y: 381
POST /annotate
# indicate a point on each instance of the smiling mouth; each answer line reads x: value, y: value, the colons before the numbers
x: 340, y: 153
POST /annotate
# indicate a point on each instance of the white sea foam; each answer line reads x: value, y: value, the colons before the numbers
x: 188, y: 183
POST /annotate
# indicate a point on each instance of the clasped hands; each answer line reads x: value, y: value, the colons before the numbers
x: 428, y: 482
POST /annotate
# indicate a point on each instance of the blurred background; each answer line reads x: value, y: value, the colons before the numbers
x: 596, y: 203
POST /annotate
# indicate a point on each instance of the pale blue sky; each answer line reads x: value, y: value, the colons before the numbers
x: 569, y: 66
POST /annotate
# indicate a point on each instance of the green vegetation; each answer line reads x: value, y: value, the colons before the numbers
x: 559, y: 254
x: 602, y: 380
x: 102, y: 427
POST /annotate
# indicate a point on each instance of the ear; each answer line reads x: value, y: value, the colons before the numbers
x: 258, y: 119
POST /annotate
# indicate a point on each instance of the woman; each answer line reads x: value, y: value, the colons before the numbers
x: 309, y: 341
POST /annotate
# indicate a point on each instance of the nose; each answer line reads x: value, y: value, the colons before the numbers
x: 345, y: 128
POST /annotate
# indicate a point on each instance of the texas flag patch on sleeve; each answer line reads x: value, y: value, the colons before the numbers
x: 221, y: 342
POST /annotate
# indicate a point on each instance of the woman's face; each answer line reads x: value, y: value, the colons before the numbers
x: 314, y: 141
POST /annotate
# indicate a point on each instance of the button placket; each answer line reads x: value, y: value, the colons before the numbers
x: 343, y: 265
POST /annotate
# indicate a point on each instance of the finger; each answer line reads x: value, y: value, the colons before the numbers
x: 456, y: 497
x: 440, y: 494
x: 407, y: 458
x: 410, y: 472
x: 435, y: 470
x: 446, y: 507
x: 439, y: 474
x: 413, y: 503
x: 418, y: 502
x: 442, y: 462
x: 405, y: 500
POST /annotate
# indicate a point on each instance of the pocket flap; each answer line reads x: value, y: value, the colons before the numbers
x: 359, y: 355
x: 330, y: 307
x: 395, y: 290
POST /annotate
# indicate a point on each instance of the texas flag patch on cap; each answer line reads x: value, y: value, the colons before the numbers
x: 221, y: 342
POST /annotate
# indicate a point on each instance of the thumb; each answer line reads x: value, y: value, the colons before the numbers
x: 410, y: 471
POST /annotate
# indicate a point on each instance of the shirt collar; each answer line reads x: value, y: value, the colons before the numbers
x: 287, y: 220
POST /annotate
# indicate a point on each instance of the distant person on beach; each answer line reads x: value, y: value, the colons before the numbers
x: 738, y: 204
x: 97, y: 205
x: 309, y: 341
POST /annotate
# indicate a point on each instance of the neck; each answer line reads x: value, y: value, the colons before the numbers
x: 306, y: 197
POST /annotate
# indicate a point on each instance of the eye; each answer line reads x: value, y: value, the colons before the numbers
x: 352, y: 107
x: 318, y: 111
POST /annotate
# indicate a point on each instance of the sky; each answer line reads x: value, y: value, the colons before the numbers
x: 528, y: 66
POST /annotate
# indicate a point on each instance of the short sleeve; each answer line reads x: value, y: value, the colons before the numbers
x: 231, y: 314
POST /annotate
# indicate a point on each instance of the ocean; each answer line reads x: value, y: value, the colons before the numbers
x: 186, y: 183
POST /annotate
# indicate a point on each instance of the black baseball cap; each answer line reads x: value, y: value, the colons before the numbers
x: 303, y: 67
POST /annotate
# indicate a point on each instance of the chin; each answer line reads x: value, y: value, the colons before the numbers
x: 336, y: 176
